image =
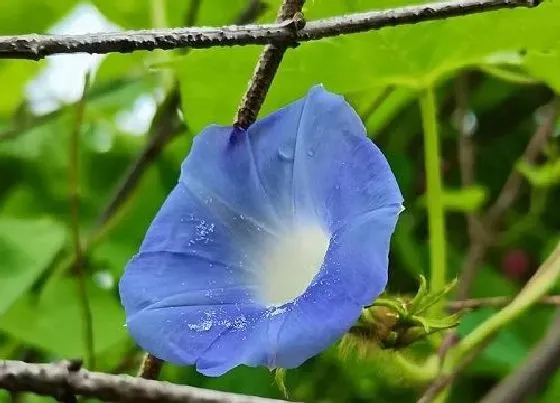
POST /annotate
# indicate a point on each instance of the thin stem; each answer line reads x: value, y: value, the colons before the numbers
x: 415, y: 372
x: 79, y: 269
x: 436, y: 216
x: 543, y: 280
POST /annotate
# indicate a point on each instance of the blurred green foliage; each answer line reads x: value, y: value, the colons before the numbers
x: 512, y: 58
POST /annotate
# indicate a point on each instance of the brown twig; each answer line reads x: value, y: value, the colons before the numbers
x: 466, y: 151
x: 495, y: 302
x: 506, y: 198
x: 488, y: 223
x: 36, y: 47
x: 150, y: 367
x: 165, y: 125
x: 533, y: 374
x: 78, y: 266
x: 435, y: 388
x: 266, y: 68
x: 65, y: 379
x: 511, y: 189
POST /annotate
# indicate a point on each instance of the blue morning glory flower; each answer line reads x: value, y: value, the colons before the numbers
x: 269, y: 245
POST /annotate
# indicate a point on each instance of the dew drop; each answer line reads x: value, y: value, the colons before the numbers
x: 286, y: 153
x: 202, y: 327
x: 240, y: 322
x: 276, y: 311
x: 311, y: 153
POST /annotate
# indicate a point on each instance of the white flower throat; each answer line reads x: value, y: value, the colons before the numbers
x: 290, y: 264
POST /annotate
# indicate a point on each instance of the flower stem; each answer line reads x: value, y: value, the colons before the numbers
x: 436, y: 219
x: 420, y: 374
x: 543, y: 280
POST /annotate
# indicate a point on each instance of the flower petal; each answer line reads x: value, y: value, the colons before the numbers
x: 353, y: 274
x: 251, y: 205
x: 336, y: 173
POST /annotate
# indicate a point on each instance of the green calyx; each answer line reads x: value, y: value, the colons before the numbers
x: 397, y: 322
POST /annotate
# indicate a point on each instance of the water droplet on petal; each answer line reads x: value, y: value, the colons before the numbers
x: 311, y: 153
x: 276, y: 311
x: 240, y: 322
x: 286, y: 153
x: 202, y: 327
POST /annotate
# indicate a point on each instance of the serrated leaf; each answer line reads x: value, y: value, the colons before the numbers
x: 432, y: 298
x: 27, y: 247
x: 421, y: 293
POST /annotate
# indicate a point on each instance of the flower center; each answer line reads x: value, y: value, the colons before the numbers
x: 289, y: 265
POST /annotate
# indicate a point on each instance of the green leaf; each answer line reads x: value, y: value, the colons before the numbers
x: 388, y: 109
x: 27, y: 248
x: 14, y: 75
x: 469, y: 198
x: 466, y: 199
x: 412, y: 56
x: 504, y: 353
x: 552, y: 393
x: 411, y: 255
x: 53, y: 321
x: 545, y: 175
x: 17, y: 18
x: 545, y: 65
x: 138, y: 14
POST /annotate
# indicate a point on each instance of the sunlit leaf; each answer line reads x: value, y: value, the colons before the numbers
x: 53, y: 322
x: 27, y: 247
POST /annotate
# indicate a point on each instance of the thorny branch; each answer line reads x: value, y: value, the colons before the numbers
x: 68, y: 379
x: 35, y: 47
